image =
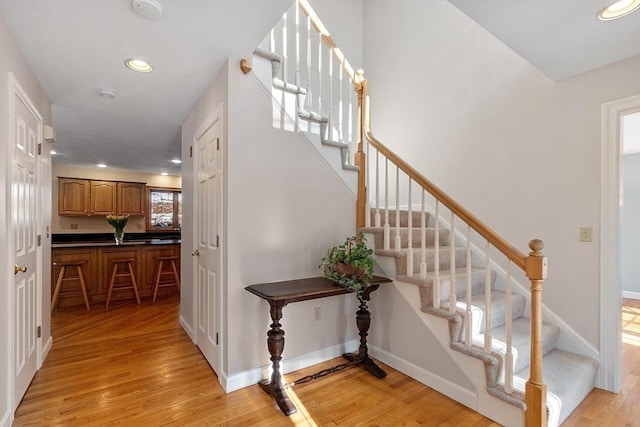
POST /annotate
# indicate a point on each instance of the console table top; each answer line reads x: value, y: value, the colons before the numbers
x: 303, y: 289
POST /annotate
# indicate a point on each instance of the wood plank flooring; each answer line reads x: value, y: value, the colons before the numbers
x: 135, y: 366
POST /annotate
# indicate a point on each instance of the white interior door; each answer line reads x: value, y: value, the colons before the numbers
x: 25, y: 212
x: 207, y: 304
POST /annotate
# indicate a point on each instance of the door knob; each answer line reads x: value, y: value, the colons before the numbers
x: 17, y: 268
x: 195, y: 253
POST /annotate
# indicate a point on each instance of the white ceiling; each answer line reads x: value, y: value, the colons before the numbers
x: 562, y: 38
x: 76, y: 46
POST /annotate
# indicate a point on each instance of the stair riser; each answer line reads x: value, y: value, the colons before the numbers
x: 477, y: 286
x: 444, y: 260
x: 404, y: 218
x: 416, y: 235
x: 522, y: 344
x: 499, y: 310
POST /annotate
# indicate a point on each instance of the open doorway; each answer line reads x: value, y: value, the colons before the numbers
x: 613, y: 114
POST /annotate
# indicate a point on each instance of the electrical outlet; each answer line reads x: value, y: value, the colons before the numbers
x: 317, y: 314
x: 586, y: 234
x: 74, y: 226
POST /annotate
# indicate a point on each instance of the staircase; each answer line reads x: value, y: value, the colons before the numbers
x: 569, y: 376
x: 461, y: 269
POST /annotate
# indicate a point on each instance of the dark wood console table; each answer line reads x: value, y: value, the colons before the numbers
x: 278, y: 295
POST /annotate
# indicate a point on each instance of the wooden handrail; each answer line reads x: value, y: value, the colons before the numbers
x: 517, y: 257
x: 326, y: 37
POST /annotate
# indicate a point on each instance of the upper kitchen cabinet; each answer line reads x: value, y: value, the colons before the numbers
x: 103, y: 198
x: 73, y: 196
x: 92, y: 197
x: 131, y: 198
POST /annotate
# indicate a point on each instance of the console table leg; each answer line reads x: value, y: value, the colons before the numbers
x: 363, y: 321
x: 275, y: 343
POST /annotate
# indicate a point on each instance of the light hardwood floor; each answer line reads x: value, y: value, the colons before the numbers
x: 135, y: 366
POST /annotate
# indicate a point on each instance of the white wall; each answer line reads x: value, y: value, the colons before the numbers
x: 518, y: 150
x: 12, y: 60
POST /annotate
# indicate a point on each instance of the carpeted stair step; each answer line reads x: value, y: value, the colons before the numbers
x: 416, y: 233
x: 498, y: 307
x: 425, y: 286
x: 569, y: 378
x: 521, y: 340
x: 444, y: 260
x: 416, y: 217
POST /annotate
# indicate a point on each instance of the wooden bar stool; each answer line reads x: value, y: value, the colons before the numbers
x: 129, y: 273
x: 64, y: 267
x: 175, y: 279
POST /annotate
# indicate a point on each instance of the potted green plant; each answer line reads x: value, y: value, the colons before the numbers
x: 350, y: 264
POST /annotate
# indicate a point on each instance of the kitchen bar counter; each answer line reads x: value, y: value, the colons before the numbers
x: 97, y: 269
x: 102, y: 243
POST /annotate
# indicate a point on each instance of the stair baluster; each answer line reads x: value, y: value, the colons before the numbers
x: 487, y: 300
x: 423, y: 240
x: 376, y: 221
x: 436, y: 258
x: 452, y: 265
x: 387, y: 226
x: 409, y: 237
x: 508, y: 358
x: 397, y: 240
x: 467, y: 316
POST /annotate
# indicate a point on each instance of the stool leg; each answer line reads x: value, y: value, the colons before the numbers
x: 56, y: 292
x: 157, y: 281
x: 133, y: 281
x: 83, y: 287
x: 175, y: 273
x: 113, y: 279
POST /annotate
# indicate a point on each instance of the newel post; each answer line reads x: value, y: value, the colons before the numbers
x: 360, y: 83
x: 536, y: 390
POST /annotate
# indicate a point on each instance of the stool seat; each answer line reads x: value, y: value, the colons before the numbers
x: 64, y: 267
x: 133, y: 284
x: 173, y: 281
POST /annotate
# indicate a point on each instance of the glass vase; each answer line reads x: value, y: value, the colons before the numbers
x: 118, y: 235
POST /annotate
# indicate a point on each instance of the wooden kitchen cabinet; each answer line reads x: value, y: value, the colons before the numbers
x: 103, y: 198
x: 85, y: 197
x: 131, y: 198
x: 73, y: 196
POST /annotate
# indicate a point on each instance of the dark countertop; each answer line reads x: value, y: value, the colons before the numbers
x: 105, y: 244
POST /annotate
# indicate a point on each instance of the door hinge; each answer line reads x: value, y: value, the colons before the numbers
x: 190, y: 151
x: 39, y: 331
x: 217, y: 338
x: 39, y: 239
x: 218, y: 144
x: 40, y: 148
x: 217, y: 240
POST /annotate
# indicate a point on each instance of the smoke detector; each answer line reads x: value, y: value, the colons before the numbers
x: 151, y: 9
x: 105, y: 93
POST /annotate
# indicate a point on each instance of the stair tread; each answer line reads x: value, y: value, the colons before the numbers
x: 569, y: 378
x: 444, y: 276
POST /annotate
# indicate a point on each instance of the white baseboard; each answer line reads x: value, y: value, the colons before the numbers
x: 186, y: 327
x: 46, y: 348
x: 631, y: 295
x: 251, y: 377
x: 460, y: 394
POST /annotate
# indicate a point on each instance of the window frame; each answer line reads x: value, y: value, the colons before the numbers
x: 177, y: 192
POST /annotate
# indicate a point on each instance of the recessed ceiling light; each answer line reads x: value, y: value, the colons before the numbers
x: 105, y: 93
x: 619, y: 9
x: 101, y: 165
x: 176, y: 161
x: 164, y: 174
x: 138, y: 65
